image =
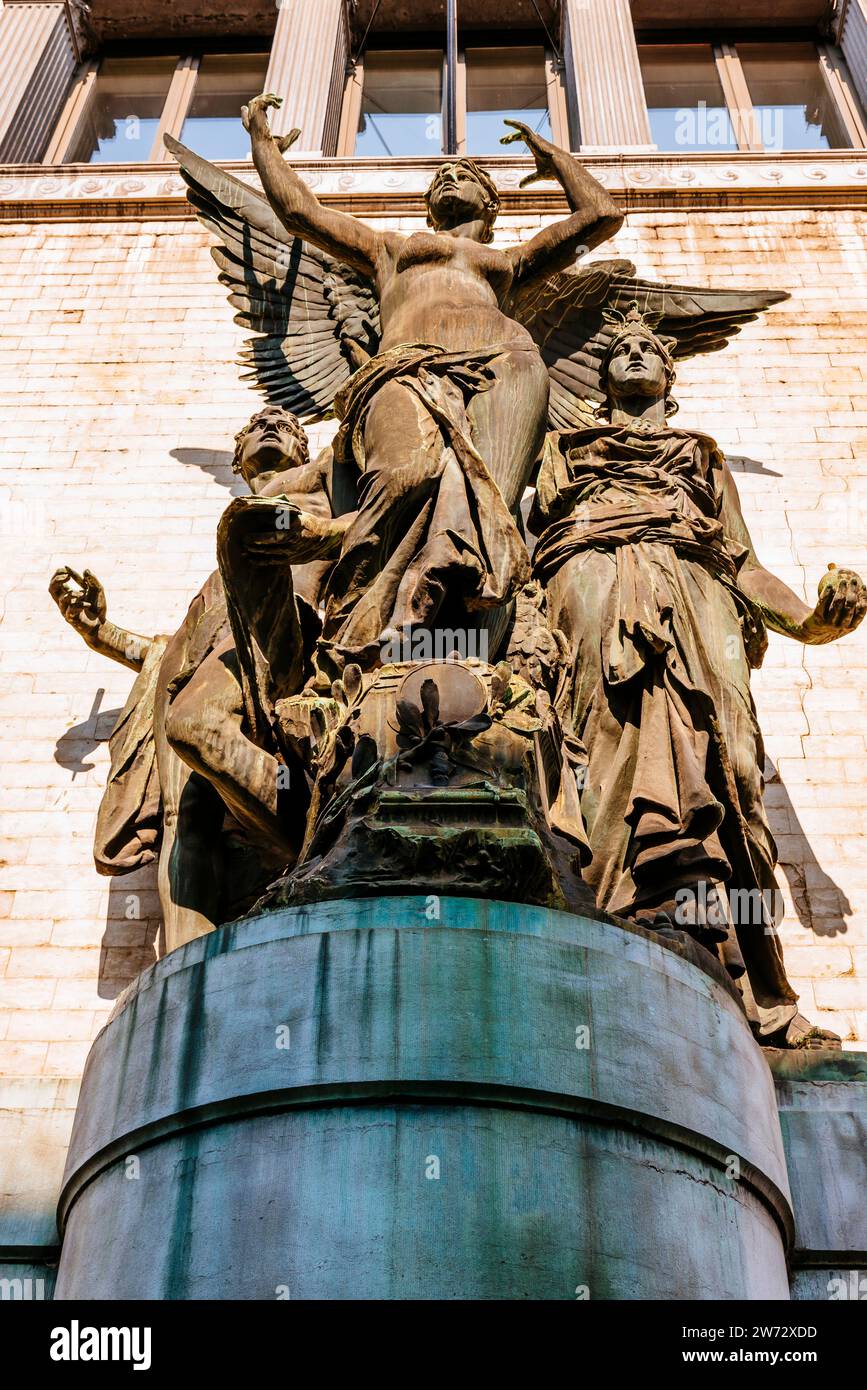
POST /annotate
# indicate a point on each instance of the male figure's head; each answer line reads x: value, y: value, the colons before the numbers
x: 270, y: 443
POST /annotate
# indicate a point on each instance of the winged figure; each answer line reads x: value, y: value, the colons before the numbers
x: 445, y: 359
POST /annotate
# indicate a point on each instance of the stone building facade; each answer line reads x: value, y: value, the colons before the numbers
x: 121, y: 397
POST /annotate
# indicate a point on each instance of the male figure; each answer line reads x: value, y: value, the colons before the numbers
x: 155, y: 804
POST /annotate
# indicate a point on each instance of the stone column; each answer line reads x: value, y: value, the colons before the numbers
x: 603, y: 54
x: 308, y: 60
x: 39, y: 58
x: 853, y: 42
x: 350, y: 1100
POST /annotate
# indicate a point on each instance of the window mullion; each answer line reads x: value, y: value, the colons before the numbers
x: 450, y: 142
x: 461, y: 103
x: 178, y: 100
x: 558, y: 106
x: 737, y: 98
x: 350, y: 117
x: 833, y: 67
x: 72, y: 115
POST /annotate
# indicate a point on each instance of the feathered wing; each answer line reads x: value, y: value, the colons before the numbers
x: 315, y: 319
x: 565, y: 315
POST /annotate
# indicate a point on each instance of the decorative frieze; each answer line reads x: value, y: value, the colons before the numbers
x: 835, y: 178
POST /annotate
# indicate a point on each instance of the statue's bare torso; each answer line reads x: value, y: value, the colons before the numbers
x: 446, y: 290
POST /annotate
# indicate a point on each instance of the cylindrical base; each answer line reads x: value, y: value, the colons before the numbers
x: 370, y: 1100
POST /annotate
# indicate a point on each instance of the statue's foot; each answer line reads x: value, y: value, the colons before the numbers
x: 801, y: 1033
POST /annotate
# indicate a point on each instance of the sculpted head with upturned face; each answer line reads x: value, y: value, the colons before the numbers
x: 270, y: 442
x: 462, y: 192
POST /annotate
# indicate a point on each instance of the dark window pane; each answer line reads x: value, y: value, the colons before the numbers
x: 225, y: 83
x: 794, y: 108
x: 504, y: 83
x: 121, y: 121
x: 685, y: 99
x: 401, y: 107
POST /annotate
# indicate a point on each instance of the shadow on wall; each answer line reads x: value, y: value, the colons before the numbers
x: 217, y: 463
x: 132, y: 930
x: 83, y: 739
x: 821, y: 905
x: 129, y: 941
x: 738, y: 463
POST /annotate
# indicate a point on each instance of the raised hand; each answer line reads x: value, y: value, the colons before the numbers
x: 541, y: 149
x: 277, y: 532
x: 255, y: 116
x: 285, y: 142
x: 841, y: 607
x: 81, y: 600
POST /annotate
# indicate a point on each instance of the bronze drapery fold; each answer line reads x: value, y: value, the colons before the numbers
x: 642, y: 578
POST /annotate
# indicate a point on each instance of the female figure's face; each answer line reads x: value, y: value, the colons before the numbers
x: 636, y: 369
x: 456, y: 197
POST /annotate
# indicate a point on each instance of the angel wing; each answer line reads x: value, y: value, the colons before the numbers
x: 315, y: 319
x: 565, y: 316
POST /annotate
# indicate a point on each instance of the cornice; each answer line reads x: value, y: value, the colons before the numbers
x: 377, y: 188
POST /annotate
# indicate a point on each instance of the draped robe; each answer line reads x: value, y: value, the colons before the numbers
x: 641, y: 573
x: 432, y: 523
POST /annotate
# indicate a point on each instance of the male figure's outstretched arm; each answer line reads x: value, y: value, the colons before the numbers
x: 81, y: 600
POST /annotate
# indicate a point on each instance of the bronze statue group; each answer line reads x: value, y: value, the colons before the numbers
x: 628, y: 612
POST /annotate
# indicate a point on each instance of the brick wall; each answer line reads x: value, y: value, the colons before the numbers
x: 119, y: 404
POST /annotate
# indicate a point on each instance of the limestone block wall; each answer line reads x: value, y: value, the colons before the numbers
x: 120, y: 399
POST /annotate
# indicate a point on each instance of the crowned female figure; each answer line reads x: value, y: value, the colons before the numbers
x: 652, y: 576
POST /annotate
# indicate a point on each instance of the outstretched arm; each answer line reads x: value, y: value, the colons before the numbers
x: 595, y: 215
x: 81, y: 600
x: 300, y: 211
x: 842, y: 595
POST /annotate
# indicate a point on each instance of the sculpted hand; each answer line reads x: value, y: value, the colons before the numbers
x: 81, y: 600
x: 841, y: 607
x: 255, y: 116
x: 541, y: 149
x: 280, y: 533
x: 285, y: 142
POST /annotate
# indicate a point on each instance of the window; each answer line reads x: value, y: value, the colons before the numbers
x: 450, y: 98
x: 401, y: 104
x: 504, y: 83
x: 771, y: 96
x: 224, y: 84
x: 119, y: 109
x: 685, y: 99
x: 792, y: 102
x: 120, y: 122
